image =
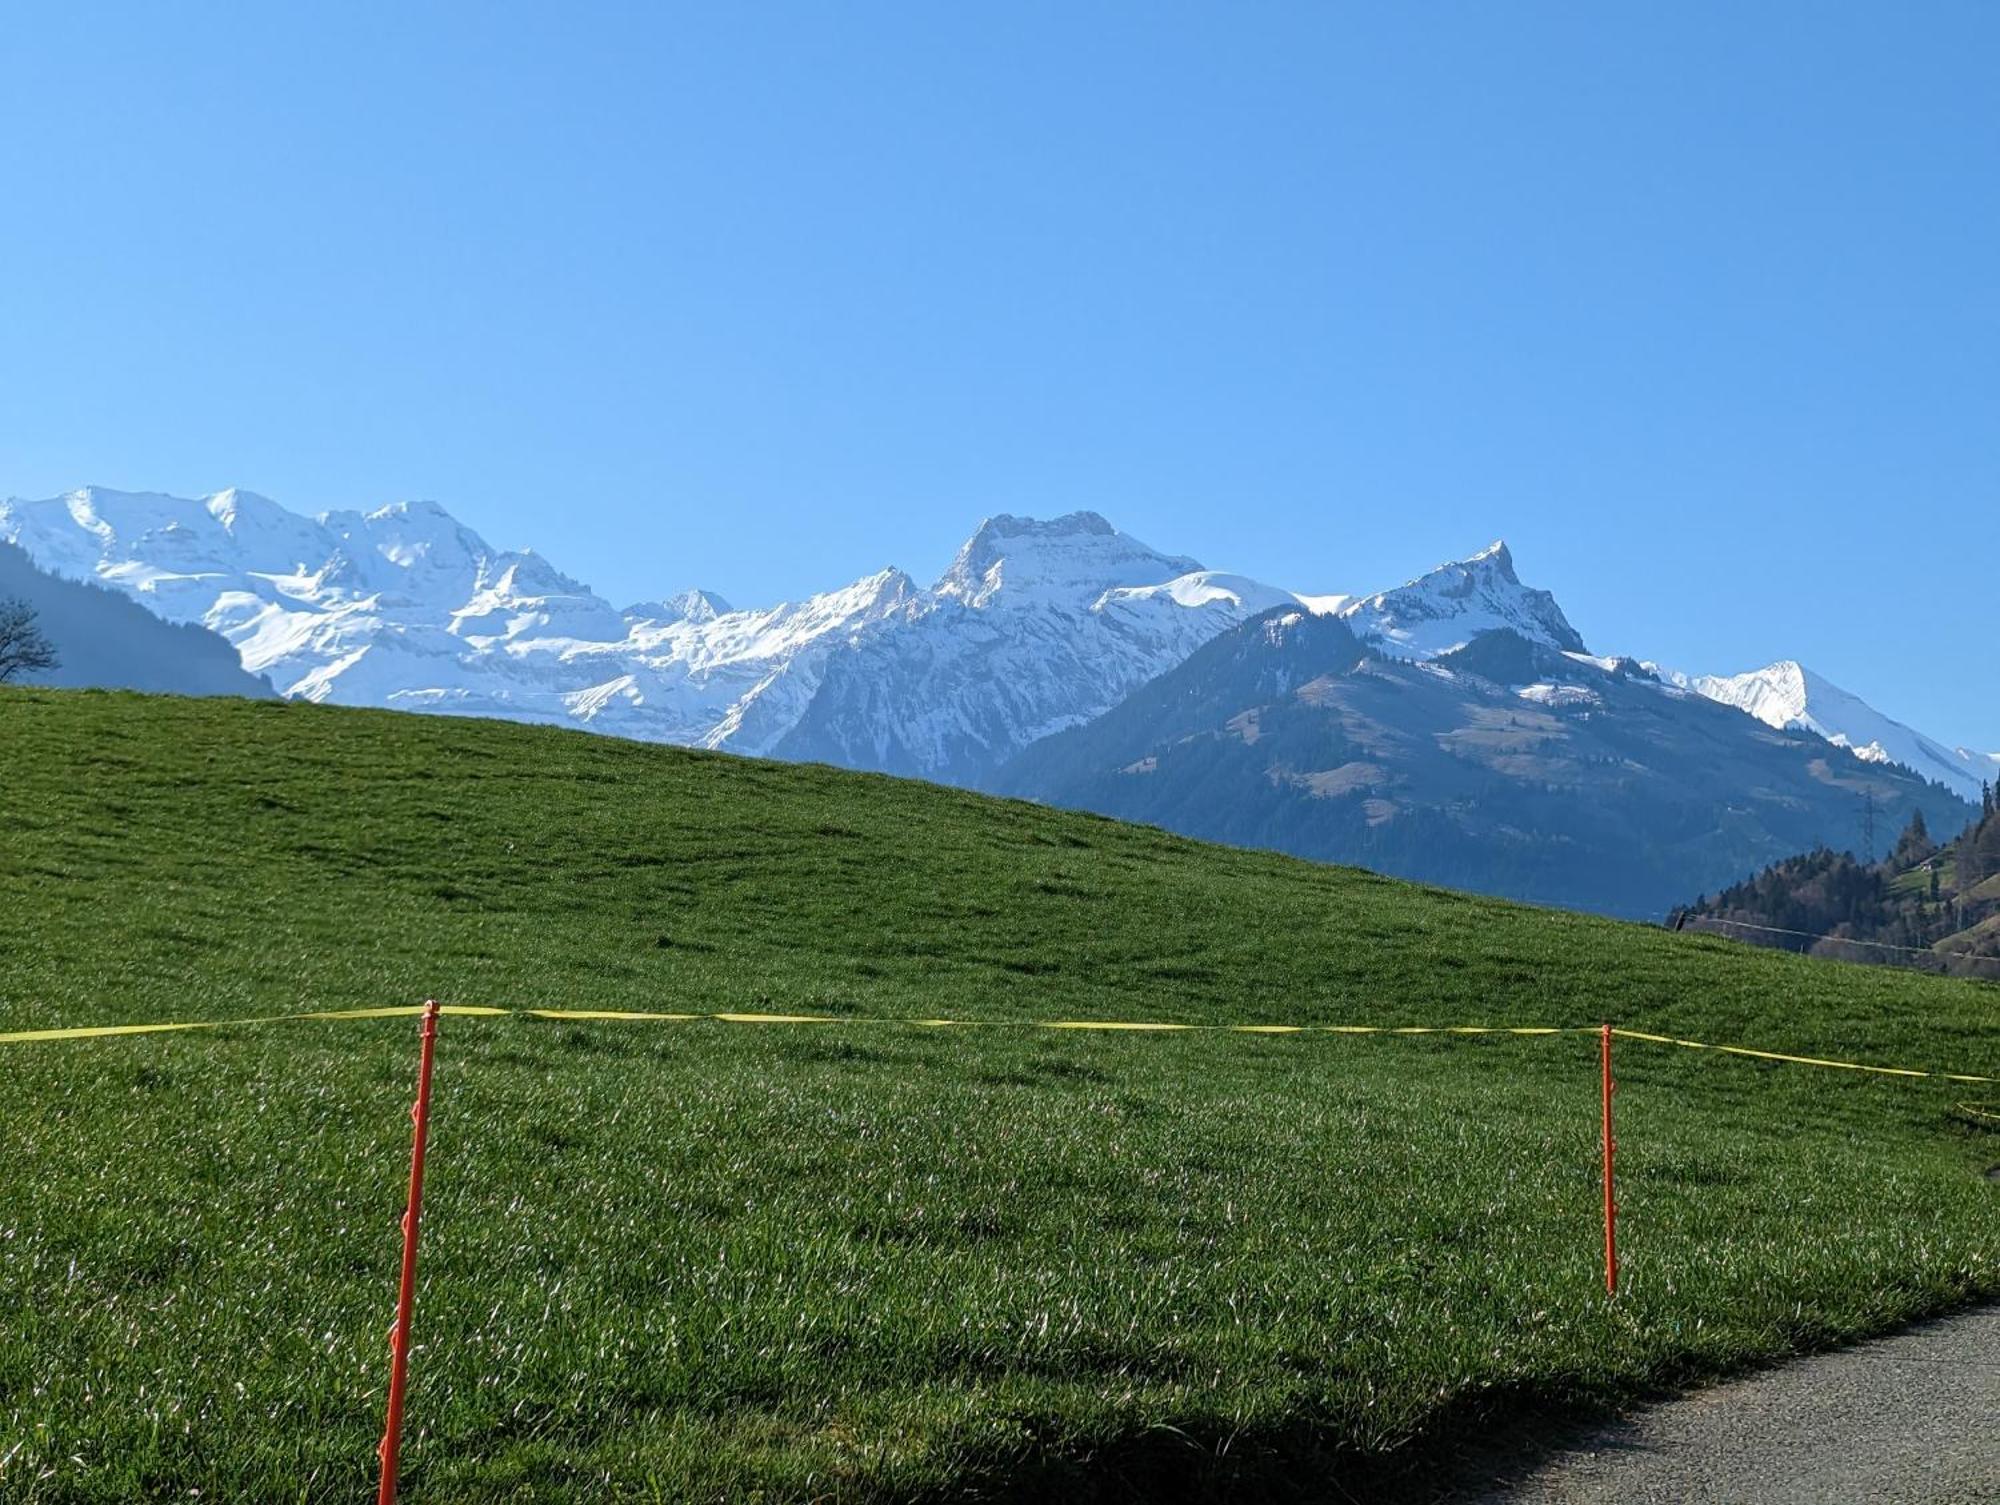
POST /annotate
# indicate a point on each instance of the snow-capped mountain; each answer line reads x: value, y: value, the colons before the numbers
x: 405, y: 607
x: 1446, y: 609
x: 1035, y: 626
x: 682, y: 606
x: 1787, y: 694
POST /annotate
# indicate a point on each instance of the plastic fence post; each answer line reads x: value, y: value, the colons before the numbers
x: 1610, y: 1149
x: 406, y: 1293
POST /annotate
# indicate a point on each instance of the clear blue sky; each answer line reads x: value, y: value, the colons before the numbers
x: 1698, y: 305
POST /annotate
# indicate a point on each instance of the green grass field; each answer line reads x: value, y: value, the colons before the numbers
x: 867, y: 1261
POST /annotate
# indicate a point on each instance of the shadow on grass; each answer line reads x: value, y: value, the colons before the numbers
x: 1468, y: 1446
x: 1472, y: 1450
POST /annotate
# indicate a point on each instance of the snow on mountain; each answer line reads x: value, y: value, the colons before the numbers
x: 1035, y: 627
x: 1452, y: 605
x: 407, y: 608
x: 1023, y: 563
x: 1507, y: 766
x: 682, y: 606
x: 1787, y: 694
x: 1446, y: 609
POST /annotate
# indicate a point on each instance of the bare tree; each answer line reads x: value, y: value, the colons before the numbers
x: 24, y: 649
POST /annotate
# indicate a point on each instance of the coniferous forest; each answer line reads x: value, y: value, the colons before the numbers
x: 1931, y: 905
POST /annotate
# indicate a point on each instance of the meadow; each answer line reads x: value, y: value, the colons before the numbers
x: 866, y: 1260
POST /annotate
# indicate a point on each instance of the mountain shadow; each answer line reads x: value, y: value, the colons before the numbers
x: 108, y: 641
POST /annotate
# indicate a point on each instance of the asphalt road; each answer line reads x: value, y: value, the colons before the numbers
x: 1912, y: 1419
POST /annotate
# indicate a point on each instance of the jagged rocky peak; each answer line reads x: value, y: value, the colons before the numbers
x: 1071, y: 559
x: 700, y: 605
x: 1444, y: 610
x: 693, y: 605
x: 883, y: 590
x: 529, y: 574
x: 1459, y: 579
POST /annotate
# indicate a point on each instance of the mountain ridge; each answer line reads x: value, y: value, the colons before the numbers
x: 406, y: 608
x: 1788, y: 694
x: 1036, y: 626
x: 1505, y: 766
x: 1448, y: 607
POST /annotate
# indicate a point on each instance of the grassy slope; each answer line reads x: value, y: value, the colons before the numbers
x: 1917, y: 882
x: 866, y: 1261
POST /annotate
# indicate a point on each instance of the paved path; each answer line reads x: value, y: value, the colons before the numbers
x: 1912, y: 1419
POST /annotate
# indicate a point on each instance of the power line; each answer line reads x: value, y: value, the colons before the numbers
x: 1838, y: 940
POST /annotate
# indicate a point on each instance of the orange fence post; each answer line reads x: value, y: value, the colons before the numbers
x: 1610, y: 1200
x: 406, y: 1293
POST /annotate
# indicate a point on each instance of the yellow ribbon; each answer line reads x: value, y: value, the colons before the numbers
x: 1142, y: 1026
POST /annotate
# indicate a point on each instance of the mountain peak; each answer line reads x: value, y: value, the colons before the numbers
x: 1454, y: 603
x: 233, y: 504
x: 1069, y: 560
x: 888, y: 584
x: 1007, y: 525
x: 1787, y: 694
x: 419, y: 533
x: 1779, y: 694
x: 414, y: 507
x: 693, y: 605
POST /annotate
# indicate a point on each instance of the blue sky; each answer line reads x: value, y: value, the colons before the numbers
x: 1697, y: 305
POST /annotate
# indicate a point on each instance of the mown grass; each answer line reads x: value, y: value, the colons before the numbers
x: 868, y: 1261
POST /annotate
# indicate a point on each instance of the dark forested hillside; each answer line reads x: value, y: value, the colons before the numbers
x: 1926, y: 905
x: 1977, y: 853
x: 1505, y: 766
x: 107, y: 641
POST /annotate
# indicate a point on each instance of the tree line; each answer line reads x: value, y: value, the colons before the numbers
x: 1927, y: 904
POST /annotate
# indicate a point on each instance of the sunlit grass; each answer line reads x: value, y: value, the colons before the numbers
x: 871, y: 1262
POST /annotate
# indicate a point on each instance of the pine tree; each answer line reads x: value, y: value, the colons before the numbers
x: 1914, y: 845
